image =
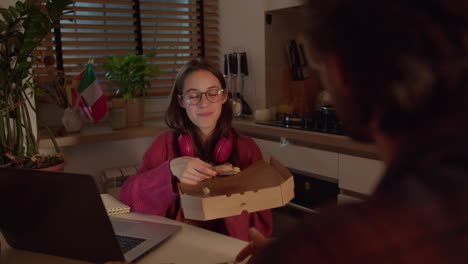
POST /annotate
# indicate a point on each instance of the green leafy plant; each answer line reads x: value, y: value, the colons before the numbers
x: 132, y: 72
x: 22, y: 28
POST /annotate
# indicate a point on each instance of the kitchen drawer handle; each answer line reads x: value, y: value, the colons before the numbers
x: 302, y: 208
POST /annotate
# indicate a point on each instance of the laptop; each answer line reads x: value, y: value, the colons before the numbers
x: 62, y: 214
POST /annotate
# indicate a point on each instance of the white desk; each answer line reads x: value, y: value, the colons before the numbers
x: 190, y: 245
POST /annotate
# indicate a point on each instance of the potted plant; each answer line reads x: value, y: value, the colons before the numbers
x: 22, y: 28
x: 132, y: 73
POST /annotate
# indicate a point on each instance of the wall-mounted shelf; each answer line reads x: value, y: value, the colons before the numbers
x: 285, y: 24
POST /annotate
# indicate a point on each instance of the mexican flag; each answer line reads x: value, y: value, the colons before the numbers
x: 89, y: 95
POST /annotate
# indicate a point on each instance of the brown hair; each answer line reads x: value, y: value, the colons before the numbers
x: 176, y: 116
x: 405, y: 61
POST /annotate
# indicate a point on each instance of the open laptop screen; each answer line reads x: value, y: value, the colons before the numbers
x: 56, y: 213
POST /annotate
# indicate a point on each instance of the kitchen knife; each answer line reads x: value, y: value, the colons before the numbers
x: 244, y: 69
x: 226, y: 65
x: 234, y: 70
x: 233, y: 65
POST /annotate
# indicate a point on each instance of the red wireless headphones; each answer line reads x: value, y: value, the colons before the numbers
x: 221, y: 152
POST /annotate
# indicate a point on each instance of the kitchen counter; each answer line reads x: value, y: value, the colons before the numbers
x: 317, y: 140
x: 102, y: 132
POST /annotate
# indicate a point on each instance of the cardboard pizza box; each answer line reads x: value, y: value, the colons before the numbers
x: 261, y: 186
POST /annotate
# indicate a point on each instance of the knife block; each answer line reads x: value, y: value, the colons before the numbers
x: 302, y: 94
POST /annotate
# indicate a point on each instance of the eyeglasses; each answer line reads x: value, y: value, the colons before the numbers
x: 194, y: 97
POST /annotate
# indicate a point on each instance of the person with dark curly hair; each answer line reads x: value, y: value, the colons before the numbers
x: 397, y: 71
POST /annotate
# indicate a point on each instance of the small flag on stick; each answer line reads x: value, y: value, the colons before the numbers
x: 89, y: 95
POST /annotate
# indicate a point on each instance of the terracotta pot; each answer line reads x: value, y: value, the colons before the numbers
x: 56, y: 168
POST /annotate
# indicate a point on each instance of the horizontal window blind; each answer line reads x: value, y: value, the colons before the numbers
x: 177, y: 30
x: 211, y: 30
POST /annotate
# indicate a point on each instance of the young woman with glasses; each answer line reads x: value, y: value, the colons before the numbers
x: 202, y: 136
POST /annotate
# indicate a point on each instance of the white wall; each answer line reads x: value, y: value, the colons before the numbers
x: 93, y: 158
x: 242, y: 28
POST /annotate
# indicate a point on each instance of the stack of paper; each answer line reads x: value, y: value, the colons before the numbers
x: 114, y: 206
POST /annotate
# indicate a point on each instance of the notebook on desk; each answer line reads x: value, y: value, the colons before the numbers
x: 114, y: 206
x: 62, y: 214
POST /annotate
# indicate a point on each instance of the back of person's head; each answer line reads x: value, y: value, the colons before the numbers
x: 406, y: 61
x: 176, y: 116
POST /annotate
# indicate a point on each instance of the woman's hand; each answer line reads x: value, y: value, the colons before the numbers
x: 257, y: 243
x: 191, y: 170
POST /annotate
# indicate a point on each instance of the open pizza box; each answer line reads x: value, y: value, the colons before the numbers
x: 261, y: 186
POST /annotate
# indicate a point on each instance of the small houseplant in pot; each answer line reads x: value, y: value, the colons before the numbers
x: 22, y: 28
x: 132, y: 73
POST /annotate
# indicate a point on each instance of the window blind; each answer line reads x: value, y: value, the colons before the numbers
x: 177, y: 30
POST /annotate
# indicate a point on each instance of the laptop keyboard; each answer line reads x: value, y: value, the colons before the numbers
x: 127, y: 243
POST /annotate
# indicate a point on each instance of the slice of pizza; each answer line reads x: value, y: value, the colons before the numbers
x: 226, y: 169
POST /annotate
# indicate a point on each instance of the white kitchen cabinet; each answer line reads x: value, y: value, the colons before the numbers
x: 271, y: 5
x: 360, y: 175
x: 355, y: 174
x: 346, y: 199
x: 320, y: 162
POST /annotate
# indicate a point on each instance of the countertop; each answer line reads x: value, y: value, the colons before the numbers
x: 102, y: 132
x: 318, y: 140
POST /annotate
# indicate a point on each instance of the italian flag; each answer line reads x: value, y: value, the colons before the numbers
x: 89, y: 95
